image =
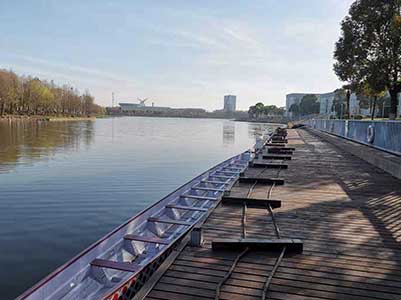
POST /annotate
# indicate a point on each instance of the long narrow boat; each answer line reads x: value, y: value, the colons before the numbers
x: 116, y: 266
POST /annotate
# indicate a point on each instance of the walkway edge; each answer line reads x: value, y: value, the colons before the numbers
x: 383, y: 160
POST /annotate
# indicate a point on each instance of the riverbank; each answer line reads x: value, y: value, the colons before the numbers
x: 45, y: 118
x: 267, y: 121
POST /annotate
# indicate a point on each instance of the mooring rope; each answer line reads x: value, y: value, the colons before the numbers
x: 276, y: 228
x: 239, y: 256
x: 251, y: 189
x: 266, y: 285
x: 244, y: 208
x: 237, y: 259
x: 218, y: 289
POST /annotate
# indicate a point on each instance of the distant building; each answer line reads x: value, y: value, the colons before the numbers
x: 141, y: 109
x: 354, y: 107
x: 325, y: 100
x: 230, y: 102
x: 132, y: 107
x: 129, y: 106
x: 290, y: 99
x: 326, y: 103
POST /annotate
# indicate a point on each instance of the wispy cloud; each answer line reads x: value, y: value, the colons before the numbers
x: 68, y: 69
x: 188, y: 54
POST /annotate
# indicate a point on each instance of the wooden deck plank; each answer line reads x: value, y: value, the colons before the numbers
x: 347, y: 212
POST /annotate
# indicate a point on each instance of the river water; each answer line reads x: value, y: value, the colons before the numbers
x: 63, y: 185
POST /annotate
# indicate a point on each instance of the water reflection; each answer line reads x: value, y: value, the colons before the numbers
x: 24, y: 142
x: 259, y: 129
x: 228, y: 133
x: 70, y: 194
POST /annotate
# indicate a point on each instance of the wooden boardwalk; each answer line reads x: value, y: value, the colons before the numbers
x: 347, y: 212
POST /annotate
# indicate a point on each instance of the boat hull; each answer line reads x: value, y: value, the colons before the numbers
x: 167, y: 219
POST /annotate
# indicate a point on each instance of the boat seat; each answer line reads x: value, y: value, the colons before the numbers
x: 146, y: 239
x: 226, y: 172
x: 183, y: 207
x: 221, y: 176
x: 201, y: 188
x: 214, y: 182
x: 198, y: 197
x: 173, y: 222
x: 115, y: 265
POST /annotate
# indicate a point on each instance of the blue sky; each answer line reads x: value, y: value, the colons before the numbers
x: 177, y: 53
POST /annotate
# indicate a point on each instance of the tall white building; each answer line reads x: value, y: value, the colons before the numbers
x: 326, y: 103
x: 230, y: 102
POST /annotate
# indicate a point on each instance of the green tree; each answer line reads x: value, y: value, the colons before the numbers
x: 281, y: 111
x: 27, y: 95
x: 9, y: 92
x: 270, y: 110
x: 373, y: 90
x: 259, y: 109
x: 252, y: 112
x: 370, y: 46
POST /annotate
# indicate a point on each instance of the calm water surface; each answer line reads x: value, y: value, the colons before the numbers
x: 63, y: 185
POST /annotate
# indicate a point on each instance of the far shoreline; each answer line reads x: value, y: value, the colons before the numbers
x: 198, y: 117
x: 37, y: 118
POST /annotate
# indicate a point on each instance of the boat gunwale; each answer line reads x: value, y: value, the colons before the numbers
x: 61, y: 268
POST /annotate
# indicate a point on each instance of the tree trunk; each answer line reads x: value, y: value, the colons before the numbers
x: 394, y: 104
x: 374, y: 107
x: 348, y: 104
x: 370, y: 105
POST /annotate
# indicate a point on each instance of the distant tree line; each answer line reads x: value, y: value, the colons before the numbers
x: 33, y: 140
x: 21, y: 95
x: 259, y: 110
x: 368, y: 52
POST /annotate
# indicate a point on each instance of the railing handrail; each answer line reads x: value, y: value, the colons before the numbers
x: 381, y: 134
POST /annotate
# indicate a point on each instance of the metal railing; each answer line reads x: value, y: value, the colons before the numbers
x: 308, y: 117
x: 384, y: 135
